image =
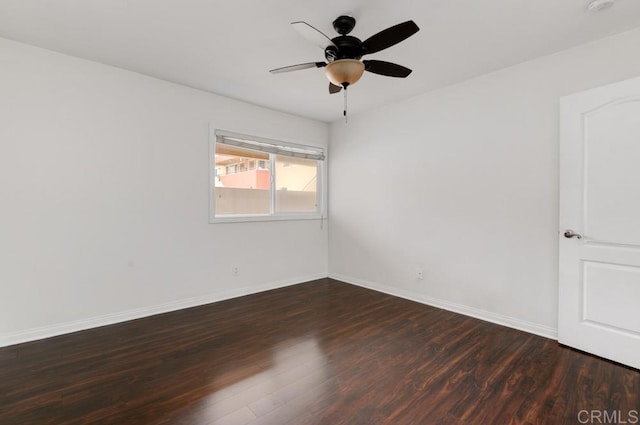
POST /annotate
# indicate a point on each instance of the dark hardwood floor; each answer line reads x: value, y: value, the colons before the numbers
x: 322, y: 352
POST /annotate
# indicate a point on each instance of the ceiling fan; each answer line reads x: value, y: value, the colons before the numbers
x: 343, y: 66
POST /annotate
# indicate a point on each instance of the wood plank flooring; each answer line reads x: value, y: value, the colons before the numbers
x: 322, y: 352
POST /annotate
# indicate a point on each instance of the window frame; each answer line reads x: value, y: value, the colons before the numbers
x: 273, y: 215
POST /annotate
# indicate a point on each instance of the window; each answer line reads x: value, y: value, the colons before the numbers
x: 260, y: 179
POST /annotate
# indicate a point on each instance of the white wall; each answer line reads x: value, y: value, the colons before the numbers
x: 104, y: 198
x: 464, y: 182
x: 104, y: 181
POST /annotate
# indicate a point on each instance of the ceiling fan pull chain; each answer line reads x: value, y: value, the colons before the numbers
x: 345, y: 105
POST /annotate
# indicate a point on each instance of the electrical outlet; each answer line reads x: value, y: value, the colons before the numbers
x: 235, y: 271
x: 419, y: 273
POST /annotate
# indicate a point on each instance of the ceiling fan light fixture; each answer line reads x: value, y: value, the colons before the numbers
x: 344, y: 72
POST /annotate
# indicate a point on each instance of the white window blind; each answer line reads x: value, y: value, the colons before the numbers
x: 269, y: 146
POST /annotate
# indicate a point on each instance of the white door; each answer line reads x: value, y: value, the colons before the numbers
x: 599, y: 299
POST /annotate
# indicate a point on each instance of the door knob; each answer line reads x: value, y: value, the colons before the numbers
x: 571, y: 234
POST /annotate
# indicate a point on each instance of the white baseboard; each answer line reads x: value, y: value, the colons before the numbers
x: 110, y: 319
x: 511, y: 322
x: 113, y: 318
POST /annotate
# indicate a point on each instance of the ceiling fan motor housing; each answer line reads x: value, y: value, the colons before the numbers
x: 346, y: 47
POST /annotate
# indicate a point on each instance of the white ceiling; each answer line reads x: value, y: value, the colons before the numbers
x: 228, y: 46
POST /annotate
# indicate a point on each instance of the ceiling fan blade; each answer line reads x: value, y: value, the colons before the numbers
x: 386, y: 68
x: 389, y: 37
x: 298, y: 67
x: 334, y: 89
x: 312, y: 34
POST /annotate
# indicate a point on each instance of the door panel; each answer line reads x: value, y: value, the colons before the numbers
x: 612, y: 173
x: 602, y: 285
x: 599, y: 298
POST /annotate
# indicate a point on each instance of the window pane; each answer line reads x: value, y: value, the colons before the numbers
x: 296, y: 184
x: 242, y: 181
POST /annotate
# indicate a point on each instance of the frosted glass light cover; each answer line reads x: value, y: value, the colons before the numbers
x: 344, y: 71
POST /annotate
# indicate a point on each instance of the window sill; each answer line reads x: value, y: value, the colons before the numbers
x: 259, y: 218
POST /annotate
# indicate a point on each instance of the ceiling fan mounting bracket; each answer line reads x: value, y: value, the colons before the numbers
x: 344, y: 24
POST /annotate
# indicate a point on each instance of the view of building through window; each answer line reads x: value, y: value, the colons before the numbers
x: 296, y: 184
x: 242, y: 181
